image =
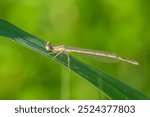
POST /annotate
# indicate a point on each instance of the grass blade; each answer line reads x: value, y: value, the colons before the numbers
x: 109, y: 85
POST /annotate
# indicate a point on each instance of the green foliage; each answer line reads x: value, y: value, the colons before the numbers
x: 109, y: 85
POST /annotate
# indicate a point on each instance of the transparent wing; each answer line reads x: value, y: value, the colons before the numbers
x: 103, y: 56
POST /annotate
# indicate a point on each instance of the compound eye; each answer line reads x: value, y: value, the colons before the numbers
x: 48, y: 46
x: 48, y: 43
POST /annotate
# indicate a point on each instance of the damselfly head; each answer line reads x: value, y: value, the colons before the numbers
x: 48, y: 46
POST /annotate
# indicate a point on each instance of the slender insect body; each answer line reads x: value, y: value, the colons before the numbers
x: 59, y: 49
x: 90, y: 53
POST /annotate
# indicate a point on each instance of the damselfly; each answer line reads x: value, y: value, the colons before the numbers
x: 60, y: 49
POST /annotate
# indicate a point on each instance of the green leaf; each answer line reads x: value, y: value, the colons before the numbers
x: 109, y: 85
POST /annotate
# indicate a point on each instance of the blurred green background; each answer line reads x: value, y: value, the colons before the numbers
x: 122, y: 27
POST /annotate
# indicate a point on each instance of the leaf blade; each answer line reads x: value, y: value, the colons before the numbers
x: 109, y: 85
